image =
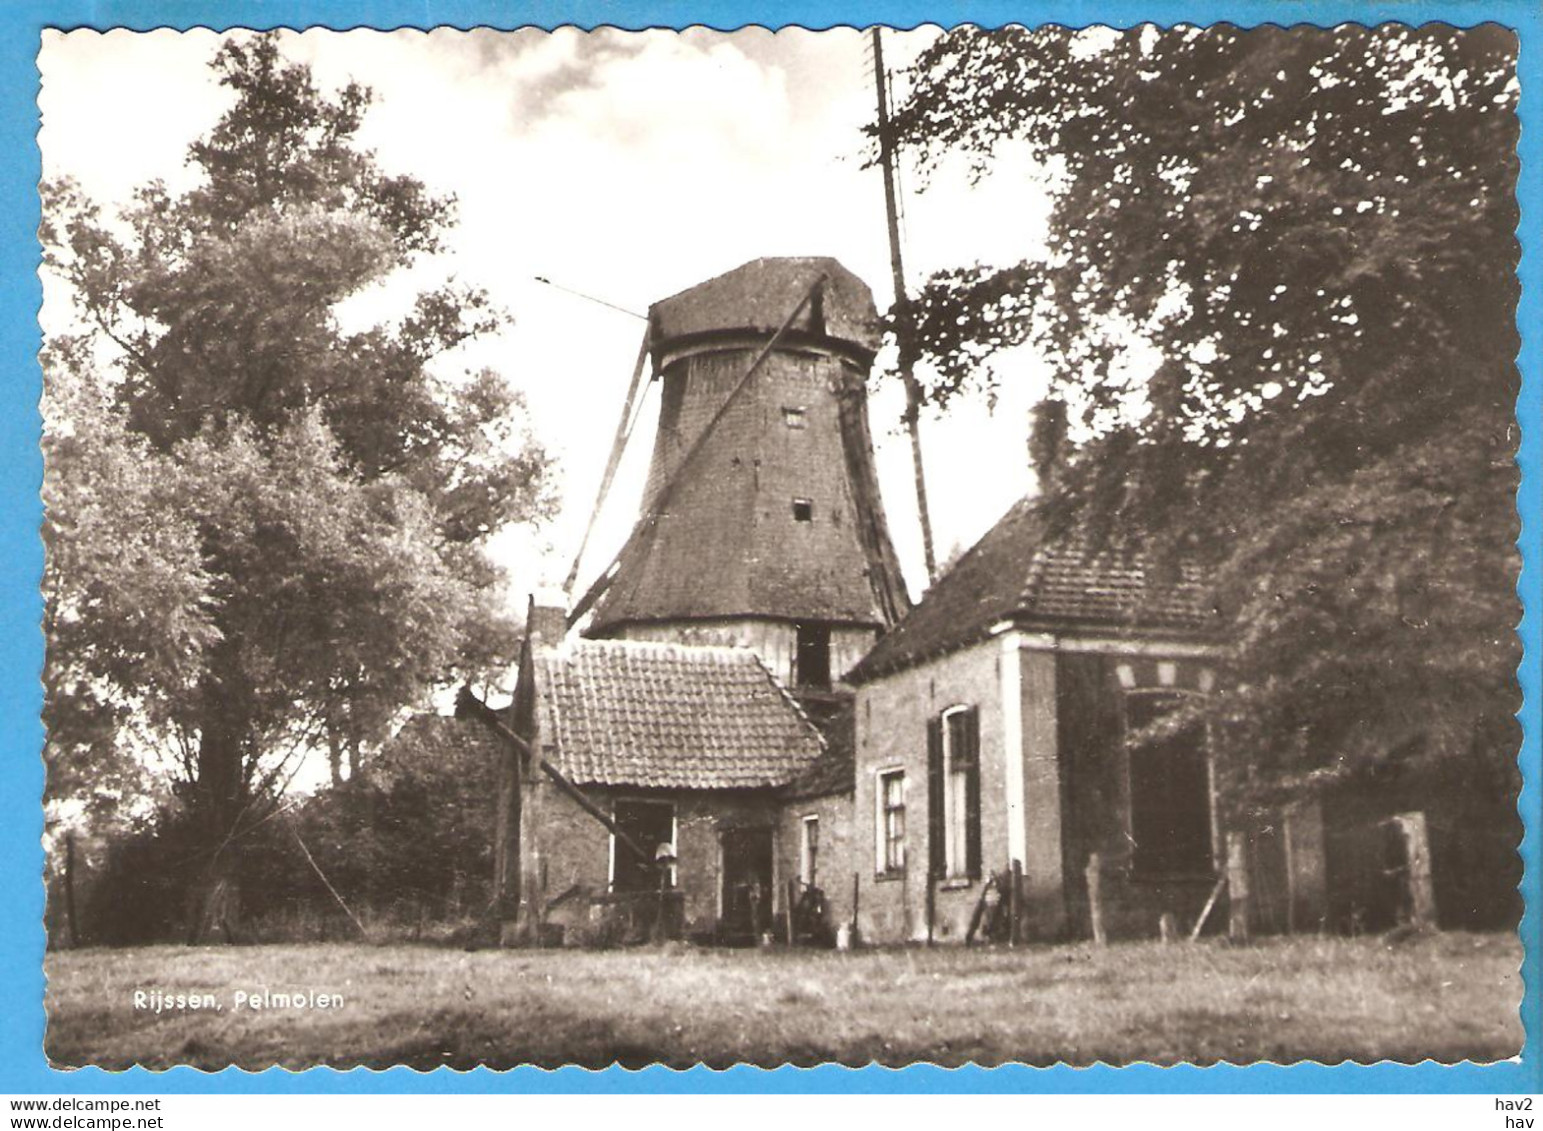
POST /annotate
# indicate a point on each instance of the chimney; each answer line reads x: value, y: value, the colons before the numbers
x: 546, y: 619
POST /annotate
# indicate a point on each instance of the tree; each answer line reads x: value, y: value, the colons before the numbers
x: 285, y: 516
x: 1279, y: 287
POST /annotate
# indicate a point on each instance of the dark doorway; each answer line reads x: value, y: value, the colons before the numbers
x: 747, y: 884
x: 650, y: 824
x: 1170, y: 795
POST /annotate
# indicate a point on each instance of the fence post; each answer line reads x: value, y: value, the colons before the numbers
x: 792, y: 902
x: 1422, y: 891
x: 1015, y: 903
x: 1237, y: 887
x: 856, y: 895
x: 1306, y: 892
x: 1095, y: 877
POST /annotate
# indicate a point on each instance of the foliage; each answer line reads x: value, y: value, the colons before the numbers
x: 283, y: 515
x: 407, y: 847
x: 1279, y: 290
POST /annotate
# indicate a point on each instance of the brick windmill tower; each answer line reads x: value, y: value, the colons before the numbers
x: 762, y: 524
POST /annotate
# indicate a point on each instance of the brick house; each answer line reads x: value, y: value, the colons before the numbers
x: 990, y: 731
x: 680, y: 746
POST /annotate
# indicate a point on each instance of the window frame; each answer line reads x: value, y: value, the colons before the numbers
x: 809, y: 850
x: 610, y: 877
x: 956, y: 792
x: 882, y: 868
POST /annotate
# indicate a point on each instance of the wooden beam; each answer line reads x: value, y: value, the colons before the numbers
x: 618, y: 446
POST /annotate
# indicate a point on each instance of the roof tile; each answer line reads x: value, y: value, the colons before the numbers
x: 1064, y: 584
x: 618, y: 712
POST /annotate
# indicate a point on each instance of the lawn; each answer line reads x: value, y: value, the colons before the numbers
x: 1449, y: 997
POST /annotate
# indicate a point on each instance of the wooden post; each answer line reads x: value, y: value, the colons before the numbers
x: 1422, y: 891
x: 69, y: 888
x: 978, y: 916
x: 792, y: 902
x: 1168, y: 927
x: 1306, y: 877
x: 1095, y: 877
x: 1205, y: 912
x: 855, y: 893
x: 1014, y: 902
x: 932, y: 902
x: 1237, y: 888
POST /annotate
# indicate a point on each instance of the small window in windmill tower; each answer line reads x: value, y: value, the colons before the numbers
x: 803, y: 510
x: 812, y: 667
x: 793, y: 416
x: 1170, y: 794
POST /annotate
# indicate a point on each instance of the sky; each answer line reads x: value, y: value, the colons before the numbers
x: 626, y: 166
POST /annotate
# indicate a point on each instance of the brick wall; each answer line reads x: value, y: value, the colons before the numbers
x: 836, y: 861
x: 892, y: 715
x: 573, y: 848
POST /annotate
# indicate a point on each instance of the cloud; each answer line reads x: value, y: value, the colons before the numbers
x: 625, y: 165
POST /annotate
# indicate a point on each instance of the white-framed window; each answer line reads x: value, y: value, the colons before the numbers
x: 953, y: 794
x: 809, y: 851
x: 889, y: 822
x: 961, y: 759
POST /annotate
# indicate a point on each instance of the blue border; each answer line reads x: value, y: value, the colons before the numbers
x: 22, y: 1068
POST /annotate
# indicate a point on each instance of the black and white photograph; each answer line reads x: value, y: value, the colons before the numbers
x: 940, y: 546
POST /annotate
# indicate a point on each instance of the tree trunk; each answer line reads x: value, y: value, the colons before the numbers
x: 335, y: 756
x: 214, y: 903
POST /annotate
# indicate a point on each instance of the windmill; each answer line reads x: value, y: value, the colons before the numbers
x: 761, y: 523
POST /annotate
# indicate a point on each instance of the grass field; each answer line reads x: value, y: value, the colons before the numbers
x: 1449, y: 997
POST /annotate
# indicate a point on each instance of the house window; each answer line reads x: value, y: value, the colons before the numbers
x: 953, y: 755
x: 649, y: 824
x: 803, y: 510
x: 809, y: 852
x: 811, y: 666
x: 1170, y: 794
x: 890, y: 839
x: 793, y: 416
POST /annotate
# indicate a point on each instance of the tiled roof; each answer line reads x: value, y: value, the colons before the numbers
x: 759, y: 295
x: 1064, y: 584
x: 1075, y: 583
x: 620, y: 712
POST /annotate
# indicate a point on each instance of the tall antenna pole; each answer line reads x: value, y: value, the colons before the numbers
x: 913, y: 392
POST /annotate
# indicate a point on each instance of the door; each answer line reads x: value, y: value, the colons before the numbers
x: 747, y: 884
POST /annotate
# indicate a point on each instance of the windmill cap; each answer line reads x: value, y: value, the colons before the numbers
x: 759, y: 296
